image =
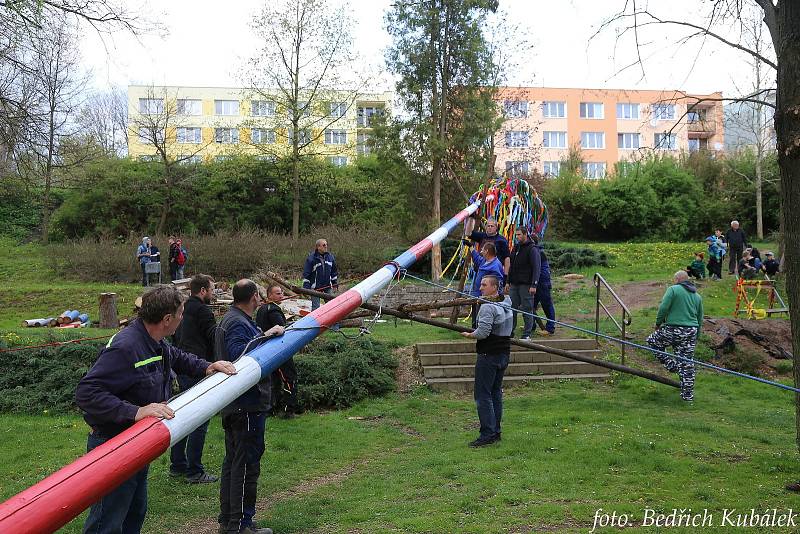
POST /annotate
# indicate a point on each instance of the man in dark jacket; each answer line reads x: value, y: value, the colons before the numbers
x: 500, y: 243
x: 320, y: 271
x: 128, y: 382
x: 523, y: 278
x: 245, y: 418
x: 195, y: 335
x: 736, y: 241
x: 544, y: 292
x: 284, y: 378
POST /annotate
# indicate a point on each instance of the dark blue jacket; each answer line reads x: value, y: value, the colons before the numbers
x: 234, y: 332
x: 525, y: 265
x: 500, y: 244
x: 131, y: 371
x: 482, y: 268
x: 320, y: 271
x: 544, y: 271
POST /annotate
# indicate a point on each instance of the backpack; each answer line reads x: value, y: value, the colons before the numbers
x: 180, y: 259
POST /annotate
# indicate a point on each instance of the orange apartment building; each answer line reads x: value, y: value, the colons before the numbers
x: 608, y: 125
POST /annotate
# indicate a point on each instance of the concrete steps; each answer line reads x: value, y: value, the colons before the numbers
x: 450, y: 365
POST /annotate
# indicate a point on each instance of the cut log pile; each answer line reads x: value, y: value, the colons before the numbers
x: 68, y: 319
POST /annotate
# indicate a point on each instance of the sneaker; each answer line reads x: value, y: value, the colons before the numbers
x: 525, y: 338
x: 482, y: 442
x: 177, y: 474
x: 252, y: 529
x: 202, y: 478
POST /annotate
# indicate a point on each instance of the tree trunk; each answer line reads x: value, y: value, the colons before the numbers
x: 295, y: 194
x: 108, y: 310
x: 787, y: 128
x: 759, y: 181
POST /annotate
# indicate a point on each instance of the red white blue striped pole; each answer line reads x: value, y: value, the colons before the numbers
x: 53, y: 502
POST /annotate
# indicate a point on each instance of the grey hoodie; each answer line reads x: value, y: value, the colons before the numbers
x: 495, y: 324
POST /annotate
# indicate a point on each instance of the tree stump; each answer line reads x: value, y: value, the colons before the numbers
x: 108, y: 310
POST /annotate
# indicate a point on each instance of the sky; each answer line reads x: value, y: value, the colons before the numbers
x: 207, y: 44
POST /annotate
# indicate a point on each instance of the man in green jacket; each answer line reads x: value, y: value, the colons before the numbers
x: 678, y: 323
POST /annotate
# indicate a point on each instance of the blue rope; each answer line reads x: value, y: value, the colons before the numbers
x: 621, y: 341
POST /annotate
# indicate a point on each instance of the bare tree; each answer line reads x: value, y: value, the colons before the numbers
x: 724, y: 21
x: 104, y: 120
x: 296, y: 78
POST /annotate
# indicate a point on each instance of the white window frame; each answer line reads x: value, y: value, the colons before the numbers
x: 515, y: 109
x: 551, y: 168
x: 629, y: 140
x: 148, y: 157
x: 189, y: 135
x: 305, y: 136
x: 365, y: 113
x: 262, y: 108
x: 226, y: 108
x: 338, y: 161
x: 151, y: 106
x: 518, y: 167
x: 662, y: 112
x: 517, y: 139
x: 559, y: 106
x: 590, y: 110
x: 190, y: 159
x: 589, y: 140
x: 594, y: 170
x: 262, y: 136
x: 222, y: 157
x: 625, y: 111
x: 335, y: 137
x: 671, y: 141
x: 694, y: 140
x: 144, y: 135
x: 226, y: 136
x: 194, y: 109
x: 362, y: 144
x: 337, y: 109
x: 560, y: 138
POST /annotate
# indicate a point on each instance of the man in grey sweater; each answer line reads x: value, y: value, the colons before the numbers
x: 495, y: 325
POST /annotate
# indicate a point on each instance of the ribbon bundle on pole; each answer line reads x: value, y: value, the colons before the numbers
x: 51, y: 503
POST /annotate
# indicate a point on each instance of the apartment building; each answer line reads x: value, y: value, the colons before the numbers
x: 196, y: 124
x: 608, y: 125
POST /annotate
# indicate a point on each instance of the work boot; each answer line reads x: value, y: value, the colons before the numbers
x: 252, y: 529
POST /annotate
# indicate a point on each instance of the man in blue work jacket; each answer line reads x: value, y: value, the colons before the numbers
x: 244, y: 420
x: 130, y: 381
x: 320, y: 271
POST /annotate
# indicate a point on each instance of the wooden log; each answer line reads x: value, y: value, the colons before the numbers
x: 35, y: 323
x: 435, y: 305
x: 108, y: 310
x: 68, y: 316
x: 53, y: 322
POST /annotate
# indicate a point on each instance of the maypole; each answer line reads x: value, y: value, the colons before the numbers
x: 51, y: 503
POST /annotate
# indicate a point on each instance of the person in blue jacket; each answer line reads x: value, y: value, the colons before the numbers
x: 544, y: 295
x: 130, y: 381
x: 320, y: 271
x: 485, y: 263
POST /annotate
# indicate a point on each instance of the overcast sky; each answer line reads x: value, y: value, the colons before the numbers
x: 208, y: 42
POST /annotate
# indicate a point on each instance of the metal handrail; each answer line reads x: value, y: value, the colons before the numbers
x: 626, y: 313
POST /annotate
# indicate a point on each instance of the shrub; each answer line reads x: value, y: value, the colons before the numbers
x: 337, y: 372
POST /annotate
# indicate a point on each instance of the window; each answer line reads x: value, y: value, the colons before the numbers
x: 594, y: 170
x: 627, y: 111
x: 337, y: 109
x: 554, y: 110
x: 628, y: 140
x: 335, y: 137
x: 551, y: 168
x: 190, y: 107
x: 365, y: 115
x: 149, y: 157
x: 303, y: 139
x: 226, y: 107
x: 226, y: 136
x: 593, y: 140
x: 517, y: 167
x: 266, y: 157
x: 146, y: 135
x: 190, y: 135
x: 262, y: 136
x: 339, y: 161
x: 222, y: 158
x: 151, y: 106
x: 663, y: 112
x: 554, y: 139
x: 189, y: 159
x: 591, y: 110
x: 262, y: 108
x: 665, y: 141
x: 517, y: 139
x: 515, y: 108
x: 303, y: 109
x: 362, y: 144
x: 694, y: 145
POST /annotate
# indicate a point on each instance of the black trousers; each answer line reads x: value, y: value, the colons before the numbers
x: 735, y: 254
x: 244, y: 446
x: 284, y: 388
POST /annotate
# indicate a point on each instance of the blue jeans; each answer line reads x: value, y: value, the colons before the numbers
x: 522, y: 299
x: 186, y: 456
x: 122, y: 511
x: 544, y: 297
x: 489, y: 369
x: 145, y: 276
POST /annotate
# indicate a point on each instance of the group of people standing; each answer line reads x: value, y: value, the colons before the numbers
x: 743, y: 261
x: 147, y: 253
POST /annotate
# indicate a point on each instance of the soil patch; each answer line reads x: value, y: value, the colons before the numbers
x: 409, y: 369
x: 635, y: 295
x: 770, y: 340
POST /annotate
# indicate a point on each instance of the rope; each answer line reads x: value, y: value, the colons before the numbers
x: 625, y: 342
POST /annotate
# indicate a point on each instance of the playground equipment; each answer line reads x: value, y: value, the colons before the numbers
x: 748, y: 291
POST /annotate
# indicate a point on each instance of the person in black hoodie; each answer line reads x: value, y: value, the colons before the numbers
x: 195, y: 335
x: 284, y: 378
x: 523, y: 277
x: 736, y: 241
x: 544, y: 292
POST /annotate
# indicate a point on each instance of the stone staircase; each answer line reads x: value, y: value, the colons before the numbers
x: 450, y: 365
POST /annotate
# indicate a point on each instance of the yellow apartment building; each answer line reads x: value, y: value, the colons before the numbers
x: 608, y: 125
x: 196, y: 124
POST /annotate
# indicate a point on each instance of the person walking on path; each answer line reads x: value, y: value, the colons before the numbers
x: 678, y: 324
x: 195, y: 335
x: 736, y: 240
x: 493, y: 348
x: 523, y: 278
x: 128, y: 382
x: 320, y: 271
